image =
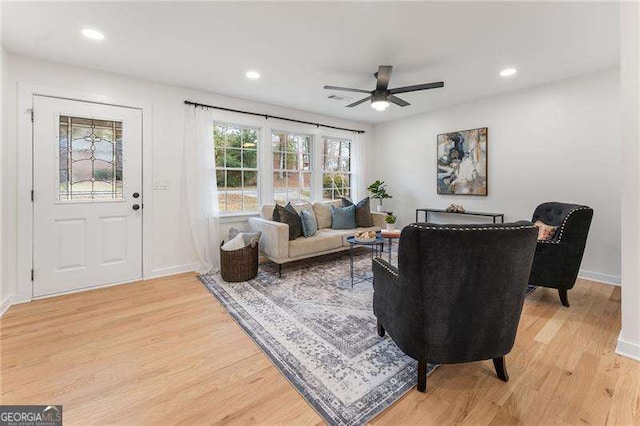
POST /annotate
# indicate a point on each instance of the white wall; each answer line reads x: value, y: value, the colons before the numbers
x: 629, y: 340
x: 171, y: 251
x: 556, y: 142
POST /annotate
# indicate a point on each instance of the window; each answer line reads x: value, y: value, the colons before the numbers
x: 236, y: 149
x: 336, y: 169
x: 291, y: 167
x: 90, y: 155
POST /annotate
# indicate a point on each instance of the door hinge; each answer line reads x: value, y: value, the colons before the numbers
x: 31, y: 111
x: 32, y: 275
x: 32, y: 195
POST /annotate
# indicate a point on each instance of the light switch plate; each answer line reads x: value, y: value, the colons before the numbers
x: 160, y: 184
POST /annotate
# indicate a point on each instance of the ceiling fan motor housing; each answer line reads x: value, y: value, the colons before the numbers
x: 379, y: 95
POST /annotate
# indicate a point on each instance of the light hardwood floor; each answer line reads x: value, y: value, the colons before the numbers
x: 164, y: 351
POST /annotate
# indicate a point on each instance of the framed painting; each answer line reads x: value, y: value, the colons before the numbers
x: 462, y: 162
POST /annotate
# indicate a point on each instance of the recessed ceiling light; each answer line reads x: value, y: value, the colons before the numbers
x: 253, y: 75
x: 508, y: 72
x: 92, y: 34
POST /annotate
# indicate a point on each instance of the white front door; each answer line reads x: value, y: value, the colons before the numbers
x: 87, y: 182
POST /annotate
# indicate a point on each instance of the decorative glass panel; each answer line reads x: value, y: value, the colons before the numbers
x: 90, y: 159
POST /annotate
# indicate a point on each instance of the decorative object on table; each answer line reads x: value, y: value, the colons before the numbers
x: 455, y: 208
x: 363, y: 212
x: 239, y: 256
x: 343, y: 217
x: 365, y: 236
x: 427, y: 212
x: 288, y: 215
x: 557, y: 260
x: 391, y: 221
x: 378, y: 191
x: 444, y: 308
x: 462, y: 162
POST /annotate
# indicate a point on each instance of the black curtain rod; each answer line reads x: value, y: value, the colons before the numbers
x: 267, y: 116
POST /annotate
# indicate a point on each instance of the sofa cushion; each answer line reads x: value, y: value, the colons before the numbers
x: 323, y: 213
x: 363, y: 212
x: 343, y: 217
x: 309, y: 225
x: 320, y: 242
x: 289, y: 215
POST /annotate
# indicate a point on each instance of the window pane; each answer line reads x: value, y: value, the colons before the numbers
x: 250, y: 159
x: 280, y: 197
x: 219, y: 157
x: 90, y: 159
x: 234, y: 137
x: 250, y: 200
x: 293, y: 180
x: 291, y: 161
x: 279, y: 180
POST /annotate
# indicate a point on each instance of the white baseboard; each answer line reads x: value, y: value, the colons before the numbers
x: 6, y: 304
x: 597, y: 276
x: 628, y: 349
x: 172, y: 270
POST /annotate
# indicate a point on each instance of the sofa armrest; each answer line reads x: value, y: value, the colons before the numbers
x: 275, y: 237
x: 378, y: 219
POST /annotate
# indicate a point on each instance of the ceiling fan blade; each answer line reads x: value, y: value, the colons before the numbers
x: 383, y: 76
x: 396, y: 100
x: 417, y: 87
x: 361, y: 101
x: 346, y: 89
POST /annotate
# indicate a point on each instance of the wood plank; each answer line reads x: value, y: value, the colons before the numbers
x: 165, y: 350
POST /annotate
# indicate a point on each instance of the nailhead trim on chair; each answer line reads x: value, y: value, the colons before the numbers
x: 478, y: 228
x: 394, y: 273
x: 561, y: 229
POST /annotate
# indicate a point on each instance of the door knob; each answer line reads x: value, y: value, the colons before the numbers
x: 136, y: 195
x: 136, y: 207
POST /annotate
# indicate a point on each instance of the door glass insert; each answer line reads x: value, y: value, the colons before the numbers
x: 90, y: 155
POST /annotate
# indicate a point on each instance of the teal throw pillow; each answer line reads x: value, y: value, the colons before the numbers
x: 343, y: 217
x: 309, y: 224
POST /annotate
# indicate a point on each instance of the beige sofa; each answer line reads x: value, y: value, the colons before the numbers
x: 275, y: 244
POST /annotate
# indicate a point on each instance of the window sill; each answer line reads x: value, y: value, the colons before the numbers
x: 238, y: 217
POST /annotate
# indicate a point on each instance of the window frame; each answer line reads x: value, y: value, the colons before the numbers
x: 241, y: 169
x: 312, y: 167
x: 323, y: 171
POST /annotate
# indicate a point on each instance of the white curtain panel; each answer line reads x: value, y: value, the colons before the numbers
x: 200, y: 187
x: 359, y: 166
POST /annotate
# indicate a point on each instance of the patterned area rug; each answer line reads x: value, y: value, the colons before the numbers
x: 321, y: 334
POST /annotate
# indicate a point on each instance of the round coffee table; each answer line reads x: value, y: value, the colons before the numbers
x: 377, y: 246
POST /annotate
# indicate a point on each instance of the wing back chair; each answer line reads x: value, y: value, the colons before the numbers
x: 457, y: 293
x: 557, y: 261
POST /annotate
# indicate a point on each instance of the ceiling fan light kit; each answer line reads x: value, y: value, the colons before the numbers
x: 382, y: 96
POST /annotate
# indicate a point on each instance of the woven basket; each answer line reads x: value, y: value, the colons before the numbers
x: 239, y: 265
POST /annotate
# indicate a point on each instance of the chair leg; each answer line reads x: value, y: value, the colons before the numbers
x: 501, y: 369
x: 279, y: 270
x: 422, y: 376
x: 563, y: 297
x: 380, y: 329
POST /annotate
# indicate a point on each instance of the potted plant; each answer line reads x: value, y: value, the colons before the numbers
x: 379, y: 192
x: 391, y: 221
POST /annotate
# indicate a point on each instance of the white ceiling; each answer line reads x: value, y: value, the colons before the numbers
x: 300, y: 47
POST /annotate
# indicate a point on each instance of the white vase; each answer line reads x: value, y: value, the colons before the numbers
x: 390, y: 226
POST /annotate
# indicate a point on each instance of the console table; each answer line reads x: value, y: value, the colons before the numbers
x: 493, y: 216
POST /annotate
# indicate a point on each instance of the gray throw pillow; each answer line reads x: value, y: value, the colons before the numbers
x: 363, y: 212
x: 343, y: 217
x: 249, y: 238
x: 289, y: 215
x: 309, y: 224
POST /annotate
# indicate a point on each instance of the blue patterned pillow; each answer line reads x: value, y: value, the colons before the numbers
x: 343, y: 217
x: 309, y: 224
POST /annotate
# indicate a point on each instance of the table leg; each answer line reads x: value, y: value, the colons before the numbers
x: 351, y: 263
x: 390, y: 245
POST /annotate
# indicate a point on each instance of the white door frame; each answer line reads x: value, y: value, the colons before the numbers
x: 26, y: 92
